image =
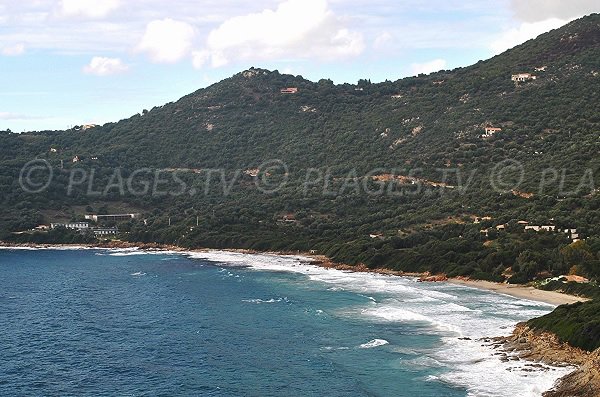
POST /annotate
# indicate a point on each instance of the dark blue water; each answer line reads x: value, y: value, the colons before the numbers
x: 86, y: 322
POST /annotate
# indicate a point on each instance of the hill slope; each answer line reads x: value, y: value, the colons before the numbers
x: 394, y: 174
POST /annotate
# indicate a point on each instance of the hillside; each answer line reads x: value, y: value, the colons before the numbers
x: 395, y: 174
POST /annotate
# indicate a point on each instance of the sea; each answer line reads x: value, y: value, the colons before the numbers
x: 127, y: 322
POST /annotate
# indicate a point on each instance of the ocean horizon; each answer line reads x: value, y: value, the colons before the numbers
x: 132, y: 322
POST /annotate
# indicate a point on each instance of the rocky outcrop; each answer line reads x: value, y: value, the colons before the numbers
x: 545, y: 347
x: 584, y: 382
x: 542, y: 346
x: 434, y: 278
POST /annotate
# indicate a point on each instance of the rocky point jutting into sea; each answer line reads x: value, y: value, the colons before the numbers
x: 544, y: 347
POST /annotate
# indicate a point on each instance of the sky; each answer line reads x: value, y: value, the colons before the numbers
x: 73, y: 62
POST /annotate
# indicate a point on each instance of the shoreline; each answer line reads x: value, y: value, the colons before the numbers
x: 515, y: 290
x: 521, y: 291
x: 552, y: 298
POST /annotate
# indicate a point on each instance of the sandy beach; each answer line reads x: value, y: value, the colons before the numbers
x: 521, y: 291
x: 515, y: 290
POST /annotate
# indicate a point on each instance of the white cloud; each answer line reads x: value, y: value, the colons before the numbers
x: 14, y: 50
x: 17, y: 116
x: 102, y: 66
x: 88, y: 8
x: 382, y: 40
x: 541, y: 10
x: 295, y: 29
x: 526, y: 31
x: 199, y: 58
x: 428, y: 67
x: 167, y: 40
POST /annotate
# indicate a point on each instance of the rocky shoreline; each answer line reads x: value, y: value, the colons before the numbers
x: 542, y: 349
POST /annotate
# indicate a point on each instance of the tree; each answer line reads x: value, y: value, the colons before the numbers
x: 577, y: 253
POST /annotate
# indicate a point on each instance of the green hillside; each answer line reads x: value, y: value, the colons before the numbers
x: 396, y: 174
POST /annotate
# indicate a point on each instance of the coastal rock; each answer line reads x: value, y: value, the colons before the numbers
x: 584, y: 382
x: 546, y: 348
x: 542, y: 347
x: 433, y: 279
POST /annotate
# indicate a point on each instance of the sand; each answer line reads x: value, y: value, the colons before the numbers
x: 522, y: 291
x: 518, y: 291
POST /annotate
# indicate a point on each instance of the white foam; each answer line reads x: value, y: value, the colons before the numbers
x: 137, y: 251
x: 331, y: 348
x: 373, y: 343
x: 483, y: 374
x: 272, y: 300
x: 138, y: 274
x: 395, y: 314
x: 46, y: 248
x: 444, y: 308
x: 423, y: 362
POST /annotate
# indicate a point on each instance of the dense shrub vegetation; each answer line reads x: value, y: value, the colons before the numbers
x: 577, y: 324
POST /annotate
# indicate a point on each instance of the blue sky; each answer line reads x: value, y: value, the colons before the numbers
x: 71, y: 62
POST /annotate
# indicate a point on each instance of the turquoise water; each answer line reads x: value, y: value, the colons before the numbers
x: 99, y: 322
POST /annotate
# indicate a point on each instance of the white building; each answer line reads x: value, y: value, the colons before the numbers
x: 110, y: 231
x: 541, y: 228
x: 522, y: 77
x: 72, y: 225
x: 489, y: 131
x: 113, y: 217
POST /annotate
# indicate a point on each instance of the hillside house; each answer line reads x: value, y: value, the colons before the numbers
x: 490, y: 131
x: 289, y: 218
x: 76, y: 159
x: 253, y: 172
x: 573, y: 235
x: 113, y: 217
x: 522, y: 77
x: 109, y: 231
x: 545, y: 228
x: 73, y: 225
x: 53, y: 150
x: 289, y: 90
